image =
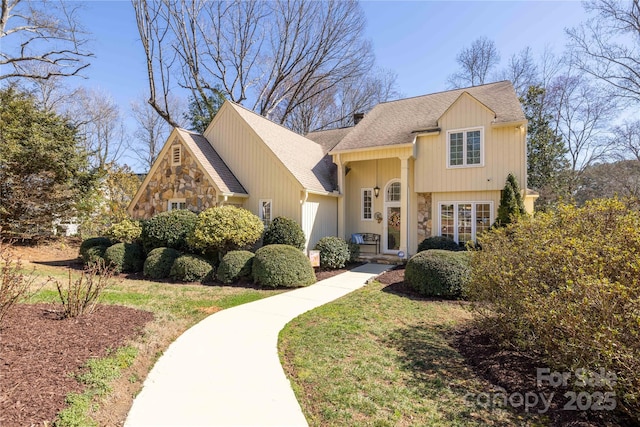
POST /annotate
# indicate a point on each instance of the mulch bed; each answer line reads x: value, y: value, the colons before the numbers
x: 507, y: 368
x: 40, y: 353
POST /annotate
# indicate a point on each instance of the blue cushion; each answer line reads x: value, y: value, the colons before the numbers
x: 357, y: 238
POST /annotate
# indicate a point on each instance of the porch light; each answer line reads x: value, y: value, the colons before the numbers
x: 376, y: 191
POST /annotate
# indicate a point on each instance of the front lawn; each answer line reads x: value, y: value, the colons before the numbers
x: 382, y: 359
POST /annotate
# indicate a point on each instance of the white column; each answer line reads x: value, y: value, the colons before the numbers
x: 341, y: 201
x: 404, y: 204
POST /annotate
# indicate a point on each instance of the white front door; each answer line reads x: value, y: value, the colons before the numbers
x: 391, y: 222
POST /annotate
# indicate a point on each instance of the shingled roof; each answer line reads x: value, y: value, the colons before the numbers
x: 328, y: 138
x: 304, y: 158
x: 397, y: 122
x: 212, y: 163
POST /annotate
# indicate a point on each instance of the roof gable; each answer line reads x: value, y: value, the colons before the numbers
x: 304, y: 159
x: 463, y: 97
x: 396, y: 122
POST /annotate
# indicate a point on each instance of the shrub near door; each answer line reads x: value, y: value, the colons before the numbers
x: 439, y: 273
x: 282, y: 266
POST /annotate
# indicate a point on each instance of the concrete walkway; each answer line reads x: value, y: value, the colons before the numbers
x: 225, y: 370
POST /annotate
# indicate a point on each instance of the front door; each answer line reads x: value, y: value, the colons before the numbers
x: 391, y: 233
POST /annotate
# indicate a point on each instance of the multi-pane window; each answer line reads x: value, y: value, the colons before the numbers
x: 465, y: 148
x: 393, y: 192
x: 265, y: 211
x: 176, y: 204
x: 463, y: 221
x: 367, y: 204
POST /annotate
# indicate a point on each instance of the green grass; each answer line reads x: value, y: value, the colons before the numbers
x: 374, y: 358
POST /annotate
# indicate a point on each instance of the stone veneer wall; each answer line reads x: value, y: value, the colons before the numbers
x: 424, y: 216
x: 186, y: 181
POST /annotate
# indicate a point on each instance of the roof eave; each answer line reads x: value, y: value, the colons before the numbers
x: 514, y: 123
x: 377, y: 148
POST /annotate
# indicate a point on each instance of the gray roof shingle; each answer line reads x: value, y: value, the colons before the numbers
x: 328, y: 138
x: 212, y: 163
x: 396, y: 122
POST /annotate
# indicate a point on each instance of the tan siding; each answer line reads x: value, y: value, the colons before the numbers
x: 377, y: 154
x: 254, y: 165
x: 504, y: 153
x: 319, y: 218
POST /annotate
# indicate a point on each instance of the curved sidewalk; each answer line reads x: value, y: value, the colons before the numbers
x: 225, y: 370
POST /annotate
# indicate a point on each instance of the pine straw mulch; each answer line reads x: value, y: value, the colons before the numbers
x: 507, y: 368
x: 41, y: 353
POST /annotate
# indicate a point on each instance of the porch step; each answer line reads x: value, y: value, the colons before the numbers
x: 381, y: 259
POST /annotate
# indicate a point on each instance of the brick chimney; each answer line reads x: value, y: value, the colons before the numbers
x: 357, y: 117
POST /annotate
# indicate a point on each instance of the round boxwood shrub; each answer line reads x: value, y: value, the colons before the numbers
x: 284, y: 231
x: 235, y: 265
x: 94, y: 255
x: 191, y: 268
x: 225, y: 228
x: 168, y: 230
x: 124, y: 257
x: 159, y: 262
x: 127, y: 231
x: 90, y: 243
x: 354, y: 251
x: 438, y: 242
x: 334, y: 252
x: 439, y: 273
x: 282, y: 266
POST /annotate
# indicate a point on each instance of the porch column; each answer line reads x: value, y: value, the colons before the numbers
x: 341, y: 203
x: 404, y: 204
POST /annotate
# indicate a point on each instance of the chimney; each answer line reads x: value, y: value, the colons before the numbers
x: 357, y: 117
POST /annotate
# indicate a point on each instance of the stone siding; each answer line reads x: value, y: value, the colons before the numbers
x: 425, y: 223
x: 186, y: 181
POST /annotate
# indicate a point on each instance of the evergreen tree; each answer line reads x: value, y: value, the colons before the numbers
x: 548, y: 168
x: 511, y: 202
x: 42, y: 167
x: 201, y: 112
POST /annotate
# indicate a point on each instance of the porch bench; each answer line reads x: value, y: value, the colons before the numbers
x: 367, y: 239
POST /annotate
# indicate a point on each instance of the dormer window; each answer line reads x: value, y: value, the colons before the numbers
x: 465, y: 147
x: 176, y: 155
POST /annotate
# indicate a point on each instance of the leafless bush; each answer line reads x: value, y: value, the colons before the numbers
x: 15, y: 285
x: 81, y: 295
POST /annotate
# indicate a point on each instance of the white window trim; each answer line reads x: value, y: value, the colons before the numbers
x: 261, y: 213
x: 464, y: 147
x: 171, y: 201
x: 173, y: 160
x: 455, y: 204
x: 362, y: 192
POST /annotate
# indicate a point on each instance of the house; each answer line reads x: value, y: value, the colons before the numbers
x: 409, y: 169
x: 244, y: 160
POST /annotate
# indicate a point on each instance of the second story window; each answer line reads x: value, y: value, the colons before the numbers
x: 464, y: 147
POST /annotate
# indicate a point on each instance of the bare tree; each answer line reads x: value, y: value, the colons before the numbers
x: 151, y: 131
x: 582, y: 113
x: 626, y: 138
x: 274, y: 55
x: 607, y: 46
x: 476, y: 62
x: 521, y: 71
x: 100, y: 127
x: 36, y: 33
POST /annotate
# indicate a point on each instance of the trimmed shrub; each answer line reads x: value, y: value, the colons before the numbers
x: 168, y: 230
x: 439, y: 273
x: 564, y: 286
x: 284, y: 231
x: 334, y: 252
x: 354, y: 251
x: 127, y: 231
x: 95, y: 255
x: 439, y: 242
x: 225, y: 228
x: 191, y: 268
x: 159, y: 262
x: 124, y: 257
x: 91, y: 242
x: 282, y: 266
x: 234, y: 266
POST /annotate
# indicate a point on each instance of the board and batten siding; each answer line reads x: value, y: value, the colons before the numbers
x: 255, y: 165
x: 504, y: 152
x: 319, y: 218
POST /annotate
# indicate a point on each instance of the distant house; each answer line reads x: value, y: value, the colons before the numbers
x: 411, y: 168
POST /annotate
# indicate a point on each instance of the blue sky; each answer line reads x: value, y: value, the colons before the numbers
x: 419, y: 40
